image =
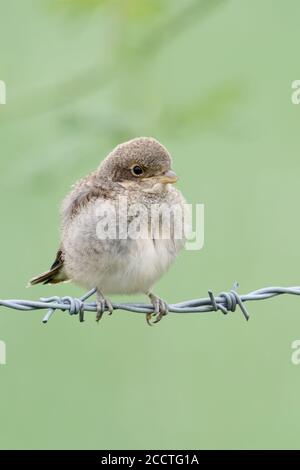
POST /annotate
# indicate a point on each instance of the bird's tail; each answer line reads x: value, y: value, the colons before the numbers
x: 55, y: 275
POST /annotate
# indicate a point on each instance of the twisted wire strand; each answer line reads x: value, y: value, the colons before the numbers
x: 225, y: 302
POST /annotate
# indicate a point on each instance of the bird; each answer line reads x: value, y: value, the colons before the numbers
x: 134, y: 183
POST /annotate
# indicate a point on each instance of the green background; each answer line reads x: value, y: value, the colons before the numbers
x: 212, y: 81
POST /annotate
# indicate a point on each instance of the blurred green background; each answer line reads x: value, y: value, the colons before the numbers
x: 212, y: 81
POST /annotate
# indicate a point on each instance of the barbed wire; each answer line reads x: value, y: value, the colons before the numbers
x: 225, y: 302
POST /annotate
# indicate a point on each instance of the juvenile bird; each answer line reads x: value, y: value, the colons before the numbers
x: 119, y: 229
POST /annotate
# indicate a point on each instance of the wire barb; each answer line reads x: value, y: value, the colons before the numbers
x: 225, y: 302
x: 229, y: 301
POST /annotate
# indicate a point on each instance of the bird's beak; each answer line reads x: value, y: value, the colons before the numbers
x: 168, y: 177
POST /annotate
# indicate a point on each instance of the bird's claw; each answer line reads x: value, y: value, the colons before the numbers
x: 160, y: 310
x: 149, y: 318
x: 102, y: 305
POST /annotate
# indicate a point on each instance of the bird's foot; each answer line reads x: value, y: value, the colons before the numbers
x: 160, y: 309
x: 102, y: 304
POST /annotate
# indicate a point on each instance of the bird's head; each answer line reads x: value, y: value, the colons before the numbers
x: 142, y: 162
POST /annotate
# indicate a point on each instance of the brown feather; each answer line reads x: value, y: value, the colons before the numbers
x: 55, y: 274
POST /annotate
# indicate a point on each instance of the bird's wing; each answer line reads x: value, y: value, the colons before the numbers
x: 55, y: 275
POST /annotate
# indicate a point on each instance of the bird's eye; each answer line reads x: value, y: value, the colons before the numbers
x: 137, y: 170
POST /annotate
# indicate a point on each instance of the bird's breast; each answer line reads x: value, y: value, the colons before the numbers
x: 114, y: 265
